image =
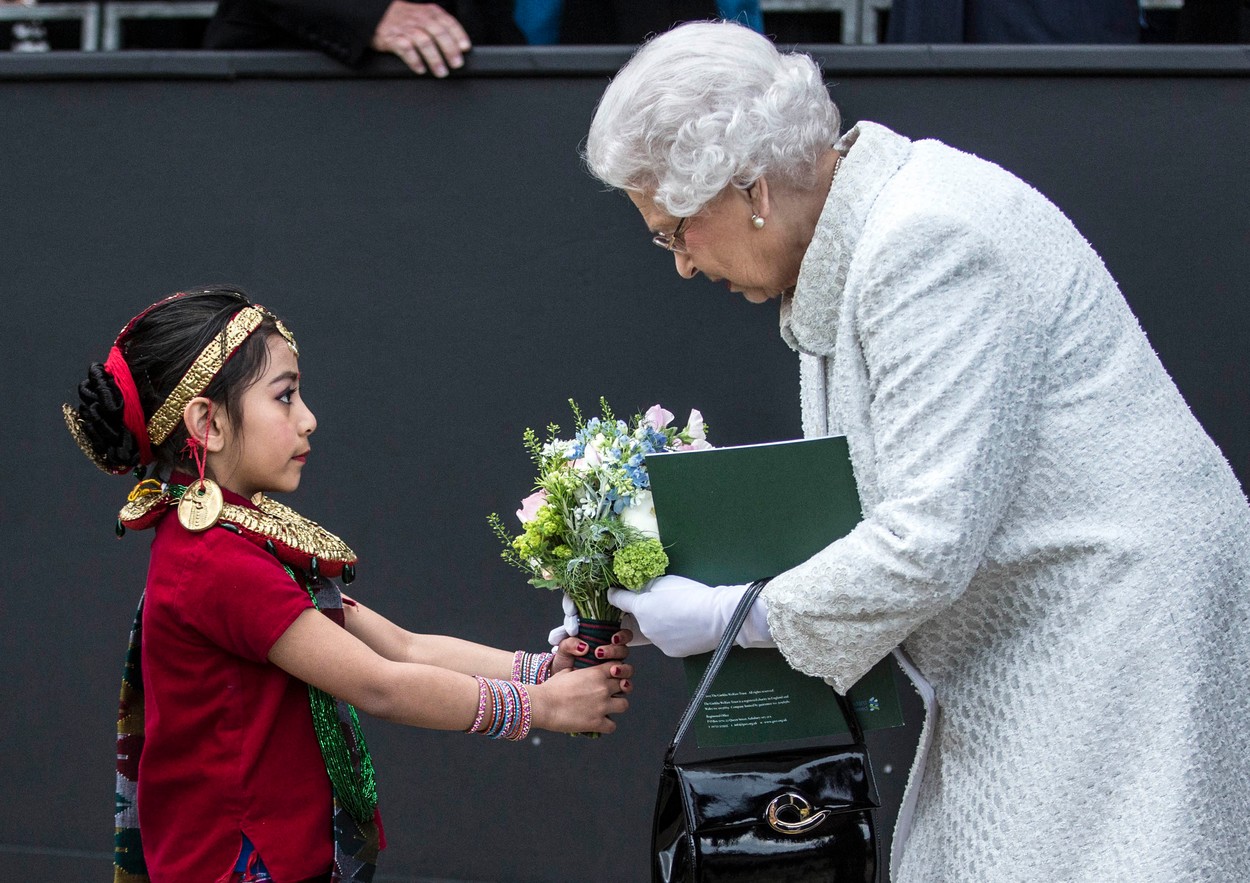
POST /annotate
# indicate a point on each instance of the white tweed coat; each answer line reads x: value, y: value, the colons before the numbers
x: 1048, y: 532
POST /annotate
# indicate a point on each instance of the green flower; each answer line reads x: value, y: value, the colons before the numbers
x: 531, y: 543
x: 638, y: 563
x: 547, y: 523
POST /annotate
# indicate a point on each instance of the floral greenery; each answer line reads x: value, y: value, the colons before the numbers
x: 590, y: 524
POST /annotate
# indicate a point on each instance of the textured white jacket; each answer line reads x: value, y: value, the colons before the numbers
x: 1048, y: 532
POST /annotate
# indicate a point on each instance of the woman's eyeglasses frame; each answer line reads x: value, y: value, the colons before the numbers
x: 674, y: 241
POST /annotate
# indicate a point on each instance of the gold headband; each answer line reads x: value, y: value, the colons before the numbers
x: 207, y: 364
x: 192, y: 384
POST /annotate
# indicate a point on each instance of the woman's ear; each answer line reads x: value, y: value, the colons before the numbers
x: 205, y: 422
x: 757, y: 193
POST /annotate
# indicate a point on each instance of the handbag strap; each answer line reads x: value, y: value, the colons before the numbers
x: 718, y: 659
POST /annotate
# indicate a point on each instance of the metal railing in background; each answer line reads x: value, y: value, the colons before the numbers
x: 117, y: 13
x: 103, y: 23
x: 86, y: 13
x: 861, y: 19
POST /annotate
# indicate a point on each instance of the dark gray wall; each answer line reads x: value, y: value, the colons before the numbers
x: 454, y: 276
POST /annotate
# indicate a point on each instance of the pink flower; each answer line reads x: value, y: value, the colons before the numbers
x: 657, y: 417
x: 530, y: 506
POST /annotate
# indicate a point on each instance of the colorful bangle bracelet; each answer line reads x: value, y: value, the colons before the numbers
x: 531, y: 668
x: 510, y: 713
x: 526, y: 716
x: 481, y: 705
x: 501, y: 709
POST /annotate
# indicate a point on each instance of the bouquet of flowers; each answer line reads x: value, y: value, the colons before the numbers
x: 590, y: 523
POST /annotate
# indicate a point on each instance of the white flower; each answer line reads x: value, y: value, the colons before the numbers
x: 556, y: 448
x: 590, y: 460
x: 694, y: 426
x: 640, y: 514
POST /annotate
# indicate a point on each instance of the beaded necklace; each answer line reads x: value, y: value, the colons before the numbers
x: 338, y: 733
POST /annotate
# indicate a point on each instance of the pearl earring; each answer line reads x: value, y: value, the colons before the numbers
x: 757, y: 222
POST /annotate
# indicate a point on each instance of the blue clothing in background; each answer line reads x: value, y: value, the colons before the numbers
x: 539, y: 20
x: 745, y: 11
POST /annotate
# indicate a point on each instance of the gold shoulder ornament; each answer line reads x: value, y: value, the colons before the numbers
x: 294, y: 539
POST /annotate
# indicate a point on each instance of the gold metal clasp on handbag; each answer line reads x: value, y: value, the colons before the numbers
x: 791, y: 813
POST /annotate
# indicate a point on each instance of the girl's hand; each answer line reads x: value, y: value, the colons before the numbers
x: 580, y: 701
x: 571, y: 648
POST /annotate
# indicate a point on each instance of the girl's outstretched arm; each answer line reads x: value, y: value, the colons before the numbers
x: 400, y: 645
x: 319, y: 652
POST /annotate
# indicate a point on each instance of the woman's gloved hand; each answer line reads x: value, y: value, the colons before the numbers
x: 571, y: 623
x: 683, y: 617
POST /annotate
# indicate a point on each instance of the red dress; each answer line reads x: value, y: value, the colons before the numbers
x: 230, y: 747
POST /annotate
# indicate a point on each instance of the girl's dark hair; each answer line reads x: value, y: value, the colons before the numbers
x: 159, y: 349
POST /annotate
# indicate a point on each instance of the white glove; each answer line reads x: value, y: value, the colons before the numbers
x: 683, y: 617
x: 572, y: 624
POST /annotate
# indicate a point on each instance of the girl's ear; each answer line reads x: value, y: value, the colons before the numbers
x: 196, y: 417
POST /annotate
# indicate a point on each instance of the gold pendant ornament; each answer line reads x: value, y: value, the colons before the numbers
x: 201, y: 505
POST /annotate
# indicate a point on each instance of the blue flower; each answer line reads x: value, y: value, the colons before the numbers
x: 655, y: 441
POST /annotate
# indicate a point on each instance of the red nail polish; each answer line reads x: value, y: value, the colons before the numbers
x: 598, y: 652
x: 581, y: 648
x: 616, y: 670
x: 616, y: 639
x: 625, y: 685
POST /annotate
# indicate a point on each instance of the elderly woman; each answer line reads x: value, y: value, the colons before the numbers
x: 1047, y: 530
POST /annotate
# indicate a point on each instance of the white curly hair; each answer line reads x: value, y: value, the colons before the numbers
x: 706, y: 105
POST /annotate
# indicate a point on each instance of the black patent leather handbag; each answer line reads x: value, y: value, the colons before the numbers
x: 793, y: 815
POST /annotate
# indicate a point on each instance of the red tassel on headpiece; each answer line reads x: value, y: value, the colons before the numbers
x: 119, y: 370
x: 132, y: 410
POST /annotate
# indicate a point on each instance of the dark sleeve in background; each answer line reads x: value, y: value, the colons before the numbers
x: 1213, y: 21
x: 488, y: 22
x: 926, y: 21
x: 342, y: 29
x: 1015, y: 21
x: 1066, y: 21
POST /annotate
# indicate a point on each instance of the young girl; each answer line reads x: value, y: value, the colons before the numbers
x: 223, y: 772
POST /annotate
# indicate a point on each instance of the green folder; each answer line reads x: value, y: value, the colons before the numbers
x: 733, y: 515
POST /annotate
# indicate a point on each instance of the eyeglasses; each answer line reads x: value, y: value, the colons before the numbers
x: 675, y: 241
